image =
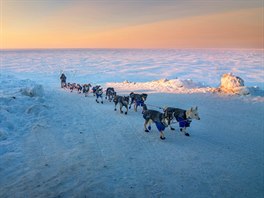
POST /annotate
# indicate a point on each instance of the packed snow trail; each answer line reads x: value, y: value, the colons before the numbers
x: 79, y: 148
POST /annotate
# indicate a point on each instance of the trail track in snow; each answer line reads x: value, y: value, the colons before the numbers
x: 85, y: 149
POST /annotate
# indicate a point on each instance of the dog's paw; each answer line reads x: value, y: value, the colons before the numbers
x: 126, y: 113
x: 162, y: 138
x: 147, y: 130
x: 102, y: 102
x: 115, y: 109
x: 187, y: 134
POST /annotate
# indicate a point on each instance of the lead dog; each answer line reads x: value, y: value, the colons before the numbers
x: 123, y: 102
x: 184, y: 117
x: 157, y: 117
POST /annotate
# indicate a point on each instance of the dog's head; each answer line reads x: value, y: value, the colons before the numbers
x: 112, y: 91
x: 96, y: 87
x: 144, y: 96
x: 193, y: 113
x: 131, y: 95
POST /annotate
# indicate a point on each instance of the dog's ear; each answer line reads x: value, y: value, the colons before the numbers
x: 191, y: 109
x: 196, y: 108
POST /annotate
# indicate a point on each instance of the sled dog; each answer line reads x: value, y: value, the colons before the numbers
x: 86, y: 89
x: 157, y: 117
x: 137, y: 99
x: 123, y: 101
x: 99, y: 94
x: 79, y: 88
x: 94, y: 89
x: 183, y: 117
x: 110, y: 93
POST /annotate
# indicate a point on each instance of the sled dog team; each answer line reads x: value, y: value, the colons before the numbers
x: 161, y: 119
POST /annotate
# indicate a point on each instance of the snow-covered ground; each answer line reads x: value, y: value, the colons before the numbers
x: 54, y: 143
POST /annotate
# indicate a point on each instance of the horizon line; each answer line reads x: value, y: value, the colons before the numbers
x: 105, y: 48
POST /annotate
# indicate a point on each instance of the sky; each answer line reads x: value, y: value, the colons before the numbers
x: 131, y: 24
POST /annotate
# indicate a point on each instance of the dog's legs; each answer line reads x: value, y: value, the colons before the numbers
x: 170, y: 120
x: 121, y: 108
x: 183, y: 129
x: 172, y: 128
x: 147, y: 122
x: 101, y: 97
x: 162, y: 135
x: 126, y: 109
x: 135, y: 107
x: 115, y: 105
x: 131, y: 103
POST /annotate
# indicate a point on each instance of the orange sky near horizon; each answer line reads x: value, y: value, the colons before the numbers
x: 231, y: 29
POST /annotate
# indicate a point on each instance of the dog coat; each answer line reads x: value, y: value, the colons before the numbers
x: 140, y: 103
x: 98, y: 95
x: 183, y: 120
x: 160, y: 126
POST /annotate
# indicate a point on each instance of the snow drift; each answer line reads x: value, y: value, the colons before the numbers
x: 231, y: 84
x: 162, y: 86
x: 33, y: 91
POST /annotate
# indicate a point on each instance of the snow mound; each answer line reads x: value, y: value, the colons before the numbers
x: 231, y: 84
x: 161, y: 86
x: 35, y: 91
x: 19, y: 112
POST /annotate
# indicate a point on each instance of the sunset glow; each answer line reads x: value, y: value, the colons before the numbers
x: 131, y: 24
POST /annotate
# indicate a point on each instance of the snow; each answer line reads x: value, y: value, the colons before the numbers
x: 36, y: 90
x: 233, y: 85
x: 57, y: 143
